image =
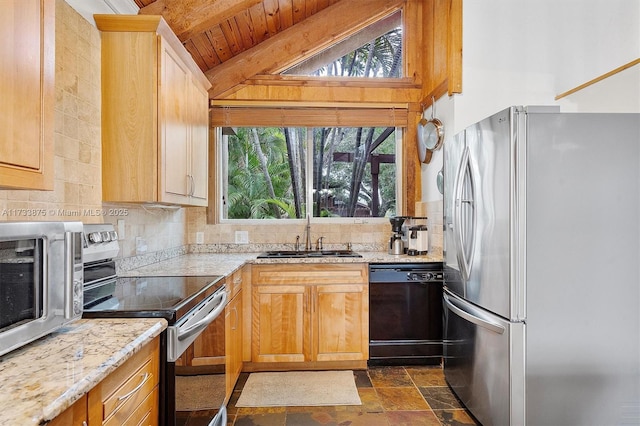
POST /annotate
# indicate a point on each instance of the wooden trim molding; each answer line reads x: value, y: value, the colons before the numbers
x: 311, y: 117
x: 597, y: 79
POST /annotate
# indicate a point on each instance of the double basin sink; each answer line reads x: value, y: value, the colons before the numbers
x: 288, y: 254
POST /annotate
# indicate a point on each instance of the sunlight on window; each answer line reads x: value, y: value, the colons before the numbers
x: 352, y: 173
x: 374, y: 52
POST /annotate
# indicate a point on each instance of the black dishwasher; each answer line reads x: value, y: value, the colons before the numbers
x: 405, y: 314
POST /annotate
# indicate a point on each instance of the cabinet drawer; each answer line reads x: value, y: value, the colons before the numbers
x: 234, y: 283
x: 131, y: 394
x: 144, y: 414
x: 335, y: 273
x: 134, y: 384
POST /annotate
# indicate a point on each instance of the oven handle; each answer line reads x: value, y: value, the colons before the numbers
x: 204, y: 322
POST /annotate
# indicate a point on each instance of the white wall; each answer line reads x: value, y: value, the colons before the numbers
x: 523, y: 52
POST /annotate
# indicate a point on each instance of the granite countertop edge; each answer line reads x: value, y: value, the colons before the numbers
x: 45, y: 377
x: 224, y: 264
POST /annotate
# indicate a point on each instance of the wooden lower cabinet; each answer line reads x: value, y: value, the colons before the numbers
x: 281, y: 323
x: 76, y: 415
x: 129, y: 395
x: 233, y: 337
x: 310, y: 313
x: 340, y: 322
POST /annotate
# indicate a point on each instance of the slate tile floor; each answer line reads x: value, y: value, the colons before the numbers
x: 391, y: 396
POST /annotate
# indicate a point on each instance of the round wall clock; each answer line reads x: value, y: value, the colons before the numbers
x: 430, y: 137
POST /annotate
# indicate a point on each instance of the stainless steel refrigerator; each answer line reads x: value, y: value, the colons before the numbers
x: 542, y: 268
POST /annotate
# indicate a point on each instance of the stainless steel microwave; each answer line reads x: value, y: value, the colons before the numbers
x: 41, y: 274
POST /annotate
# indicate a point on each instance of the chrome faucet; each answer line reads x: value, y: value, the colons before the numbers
x: 319, y: 243
x: 307, y: 244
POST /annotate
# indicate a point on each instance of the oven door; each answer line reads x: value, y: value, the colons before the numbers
x: 185, y: 331
x: 196, y: 367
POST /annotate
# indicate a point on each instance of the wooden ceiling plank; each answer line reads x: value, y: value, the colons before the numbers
x: 311, y: 7
x: 190, y: 47
x: 205, y: 49
x: 232, y: 35
x: 303, y: 40
x: 245, y: 28
x: 272, y: 15
x: 260, y: 30
x: 299, y: 11
x: 219, y: 42
x: 188, y: 18
x: 286, y: 13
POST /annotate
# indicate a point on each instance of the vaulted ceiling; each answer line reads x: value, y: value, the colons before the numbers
x: 216, y: 31
x: 233, y: 40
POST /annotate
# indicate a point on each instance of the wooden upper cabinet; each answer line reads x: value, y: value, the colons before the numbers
x: 154, y: 114
x: 27, y: 43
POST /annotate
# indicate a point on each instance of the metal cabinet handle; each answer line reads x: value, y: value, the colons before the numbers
x: 235, y: 325
x: 192, y: 184
x: 136, y: 389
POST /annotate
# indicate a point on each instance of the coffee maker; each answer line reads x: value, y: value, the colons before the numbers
x: 396, y: 242
x: 415, y: 234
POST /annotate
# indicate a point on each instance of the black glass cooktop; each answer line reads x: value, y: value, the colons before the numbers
x: 155, y: 296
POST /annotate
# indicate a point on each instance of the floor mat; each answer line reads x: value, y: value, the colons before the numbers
x: 299, y: 388
x: 204, y: 392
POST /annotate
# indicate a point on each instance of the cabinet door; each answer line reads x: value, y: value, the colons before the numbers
x: 27, y: 38
x: 234, y: 342
x: 281, y: 329
x: 341, y: 322
x: 199, y: 144
x: 174, y: 130
x: 76, y: 415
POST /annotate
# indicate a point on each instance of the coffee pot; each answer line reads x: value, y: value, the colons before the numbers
x: 396, y: 245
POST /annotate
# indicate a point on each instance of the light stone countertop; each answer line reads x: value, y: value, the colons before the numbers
x: 226, y: 263
x: 45, y: 377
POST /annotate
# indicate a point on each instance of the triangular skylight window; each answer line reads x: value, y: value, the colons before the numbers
x: 374, y: 52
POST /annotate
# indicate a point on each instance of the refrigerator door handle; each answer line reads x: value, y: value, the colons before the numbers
x: 473, y: 315
x: 464, y: 227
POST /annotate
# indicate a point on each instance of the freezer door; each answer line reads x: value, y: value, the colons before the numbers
x: 484, y: 362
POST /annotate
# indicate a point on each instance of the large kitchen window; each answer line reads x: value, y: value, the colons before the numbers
x: 289, y: 172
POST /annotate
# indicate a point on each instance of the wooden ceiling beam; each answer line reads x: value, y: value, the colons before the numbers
x: 303, y: 40
x: 189, y: 18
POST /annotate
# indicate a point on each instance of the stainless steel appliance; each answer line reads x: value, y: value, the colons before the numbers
x: 542, y: 241
x: 190, y: 304
x: 405, y: 314
x: 40, y: 279
x: 397, y: 240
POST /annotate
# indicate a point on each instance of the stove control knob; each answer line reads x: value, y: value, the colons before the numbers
x: 113, y: 235
x: 95, y: 237
x: 428, y: 276
x: 105, y: 236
